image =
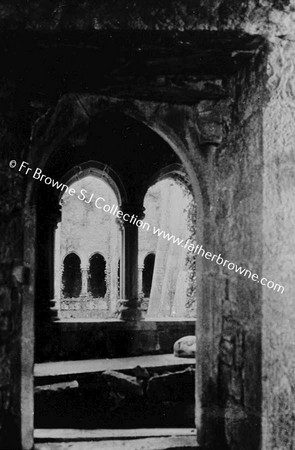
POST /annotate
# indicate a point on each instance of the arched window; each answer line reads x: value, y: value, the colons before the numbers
x: 81, y: 218
x: 147, y: 275
x: 97, y: 277
x: 71, y: 278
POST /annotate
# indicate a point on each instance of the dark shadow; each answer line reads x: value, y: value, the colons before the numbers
x: 147, y: 274
x: 71, y: 278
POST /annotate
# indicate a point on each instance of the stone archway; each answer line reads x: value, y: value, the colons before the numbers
x: 179, y: 147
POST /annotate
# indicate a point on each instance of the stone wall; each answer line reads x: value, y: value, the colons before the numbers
x: 255, y: 221
x: 13, y: 276
x: 278, y: 326
x: 237, y: 235
x: 183, y: 15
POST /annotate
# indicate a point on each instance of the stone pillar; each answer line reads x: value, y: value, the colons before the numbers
x: 140, y: 280
x: 161, y: 258
x: 57, y: 271
x: 61, y: 282
x: 53, y: 219
x: 122, y: 276
x: 84, y: 273
x: 129, y: 305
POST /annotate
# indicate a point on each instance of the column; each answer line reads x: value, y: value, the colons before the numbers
x: 57, y: 271
x: 84, y: 273
x: 140, y: 280
x: 53, y: 218
x: 129, y: 305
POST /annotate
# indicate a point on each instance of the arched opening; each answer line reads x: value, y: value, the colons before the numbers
x: 147, y: 274
x: 97, y: 286
x: 71, y: 277
x: 136, y: 170
x: 92, y: 232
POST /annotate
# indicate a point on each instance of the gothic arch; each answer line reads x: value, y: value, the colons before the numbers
x: 71, y: 252
x: 101, y: 171
x: 49, y: 139
x: 172, y: 170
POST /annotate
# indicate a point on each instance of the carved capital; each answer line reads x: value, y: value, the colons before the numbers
x: 133, y: 209
x: 212, y: 118
x: 129, y: 309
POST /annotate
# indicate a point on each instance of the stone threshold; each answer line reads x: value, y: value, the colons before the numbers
x: 150, y: 443
x: 70, y: 434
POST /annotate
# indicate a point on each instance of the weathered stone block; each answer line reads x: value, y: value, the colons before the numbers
x: 57, y: 387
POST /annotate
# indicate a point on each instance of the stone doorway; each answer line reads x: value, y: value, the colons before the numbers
x: 141, y: 335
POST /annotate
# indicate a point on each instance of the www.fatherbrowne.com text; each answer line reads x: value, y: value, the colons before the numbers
x: 100, y: 204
